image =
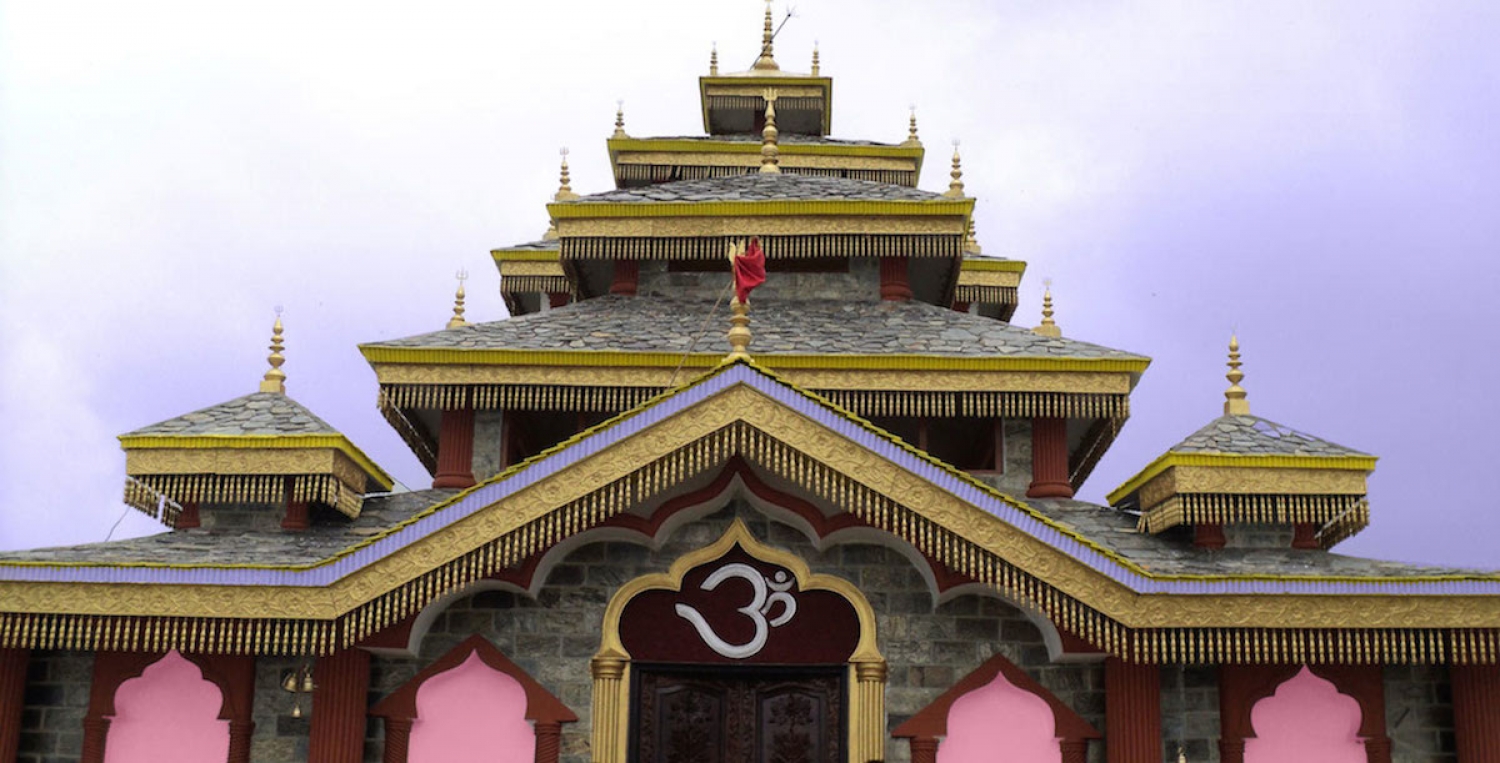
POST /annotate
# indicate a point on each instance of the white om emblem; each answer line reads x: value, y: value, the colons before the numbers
x: 767, y: 593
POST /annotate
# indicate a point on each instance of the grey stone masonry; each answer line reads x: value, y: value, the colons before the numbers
x: 927, y: 646
x: 1419, y: 714
x: 861, y: 283
x: 1190, y: 712
x: 257, y: 413
x: 57, y: 697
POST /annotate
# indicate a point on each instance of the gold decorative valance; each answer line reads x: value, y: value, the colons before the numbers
x: 776, y: 247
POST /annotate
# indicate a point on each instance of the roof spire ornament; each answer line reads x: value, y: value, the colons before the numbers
x: 564, y: 191
x: 815, y: 67
x: 1049, y: 327
x: 770, y: 153
x: 1235, y: 402
x: 956, y: 185
x: 457, y: 321
x: 619, y: 120
x: 766, y: 62
x: 911, y: 130
x: 713, y: 61
x: 275, y: 378
x: 971, y: 242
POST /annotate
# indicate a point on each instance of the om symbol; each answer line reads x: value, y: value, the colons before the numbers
x: 767, y: 593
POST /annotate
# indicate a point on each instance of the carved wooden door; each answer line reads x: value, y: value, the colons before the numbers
x: 746, y: 716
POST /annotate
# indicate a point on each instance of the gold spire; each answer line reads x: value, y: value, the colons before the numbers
x: 911, y: 130
x: 619, y: 120
x: 1235, y: 403
x: 815, y: 67
x: 1049, y: 327
x: 766, y: 60
x: 739, y: 316
x: 770, y: 153
x: 956, y: 185
x: 275, y: 378
x: 971, y: 244
x: 713, y: 61
x: 457, y: 321
x: 564, y: 191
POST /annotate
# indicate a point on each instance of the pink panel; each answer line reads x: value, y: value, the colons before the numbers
x: 471, y: 714
x: 1000, y: 717
x: 170, y: 712
x: 1305, y: 721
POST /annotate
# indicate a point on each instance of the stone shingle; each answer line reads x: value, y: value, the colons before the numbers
x: 767, y: 187
x: 1253, y: 435
x: 254, y: 414
x: 793, y: 138
x: 635, y: 324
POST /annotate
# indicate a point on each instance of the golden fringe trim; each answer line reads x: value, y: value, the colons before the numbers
x: 776, y: 247
x: 529, y: 284
x: 241, y: 488
x: 151, y: 502
x: 666, y: 173
x: 758, y: 103
x: 524, y: 397
x: 650, y: 482
x: 1344, y: 515
x: 986, y: 295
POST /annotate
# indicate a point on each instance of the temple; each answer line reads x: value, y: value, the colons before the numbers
x: 843, y: 530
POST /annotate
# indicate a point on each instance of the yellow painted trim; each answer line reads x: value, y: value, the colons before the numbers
x: 812, y: 207
x: 260, y: 442
x: 526, y: 255
x: 1245, y: 461
x: 710, y: 146
x: 586, y: 358
x: 994, y: 266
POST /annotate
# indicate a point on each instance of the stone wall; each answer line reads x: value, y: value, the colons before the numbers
x: 57, y: 697
x: 1419, y: 714
x: 927, y: 647
x: 1190, y: 712
x: 861, y: 283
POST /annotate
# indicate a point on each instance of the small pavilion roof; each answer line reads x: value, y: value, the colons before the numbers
x: 763, y: 187
x: 1255, y: 436
x: 259, y: 413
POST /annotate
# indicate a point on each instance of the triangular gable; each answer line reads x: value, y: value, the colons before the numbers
x: 739, y: 408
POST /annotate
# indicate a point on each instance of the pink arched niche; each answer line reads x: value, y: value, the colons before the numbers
x: 169, y: 712
x: 472, y: 704
x: 997, y: 707
x: 999, y: 716
x: 127, y: 691
x: 1307, y: 720
x: 471, y: 714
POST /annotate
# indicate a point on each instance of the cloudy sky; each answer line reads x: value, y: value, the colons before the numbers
x: 1322, y: 177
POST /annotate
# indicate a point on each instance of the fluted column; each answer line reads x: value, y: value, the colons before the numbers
x: 397, y: 740
x: 342, y: 682
x: 95, y: 732
x: 12, y: 698
x: 239, y: 740
x: 611, y: 704
x: 1231, y: 751
x: 455, y: 467
x: 1378, y: 750
x: 1074, y: 750
x: 548, y: 742
x: 1132, y: 712
x: 1049, y: 459
x: 924, y: 750
x: 1476, y: 712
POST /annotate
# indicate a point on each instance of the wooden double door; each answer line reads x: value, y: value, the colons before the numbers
x: 723, y: 714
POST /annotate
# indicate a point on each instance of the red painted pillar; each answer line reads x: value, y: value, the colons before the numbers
x: 12, y: 698
x: 95, y: 732
x: 1231, y: 751
x: 1305, y: 535
x: 239, y: 740
x: 1049, y: 459
x: 924, y: 750
x: 1209, y: 535
x: 296, y: 516
x: 1074, y: 750
x: 1476, y: 712
x: 188, y: 517
x: 1132, y: 712
x: 548, y: 742
x: 557, y: 298
x: 894, y: 284
x: 456, y: 450
x: 342, y: 682
x: 1378, y: 750
x: 960, y: 307
x: 397, y: 740
x: 627, y: 278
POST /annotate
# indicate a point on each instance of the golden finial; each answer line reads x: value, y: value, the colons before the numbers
x: 275, y: 379
x: 457, y: 321
x: 619, y: 120
x: 766, y: 60
x: 971, y: 243
x: 770, y: 153
x: 739, y: 316
x: 1049, y: 327
x: 564, y: 191
x: 815, y: 67
x: 956, y: 185
x: 911, y: 130
x: 1235, y: 402
x: 713, y: 61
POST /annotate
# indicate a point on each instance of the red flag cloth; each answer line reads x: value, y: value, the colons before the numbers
x: 749, y: 270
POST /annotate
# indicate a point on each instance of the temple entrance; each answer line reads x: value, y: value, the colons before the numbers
x: 700, y: 714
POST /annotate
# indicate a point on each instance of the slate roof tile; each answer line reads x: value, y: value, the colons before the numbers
x: 1253, y: 435
x: 259, y: 413
x: 763, y: 187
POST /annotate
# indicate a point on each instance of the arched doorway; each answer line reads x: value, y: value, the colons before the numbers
x: 735, y: 652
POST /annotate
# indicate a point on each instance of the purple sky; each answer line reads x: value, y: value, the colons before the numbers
x: 1324, y: 177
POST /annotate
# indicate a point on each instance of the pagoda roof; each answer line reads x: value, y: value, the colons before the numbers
x: 259, y: 413
x: 1255, y: 436
x: 816, y: 327
x: 781, y: 186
